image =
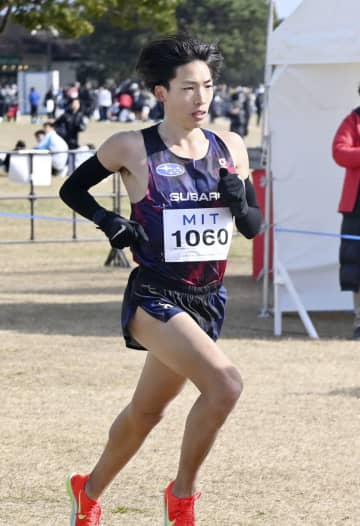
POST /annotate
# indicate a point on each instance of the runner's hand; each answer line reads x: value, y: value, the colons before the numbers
x: 232, y: 192
x: 122, y: 232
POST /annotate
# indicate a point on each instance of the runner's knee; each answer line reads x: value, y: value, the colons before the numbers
x: 226, y: 390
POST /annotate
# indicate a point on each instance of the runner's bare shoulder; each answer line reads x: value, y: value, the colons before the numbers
x: 121, y: 149
x: 238, y: 151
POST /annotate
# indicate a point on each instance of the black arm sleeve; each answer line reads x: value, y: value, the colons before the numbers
x: 74, y: 192
x: 250, y: 224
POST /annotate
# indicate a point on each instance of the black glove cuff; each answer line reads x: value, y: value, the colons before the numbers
x: 99, y: 216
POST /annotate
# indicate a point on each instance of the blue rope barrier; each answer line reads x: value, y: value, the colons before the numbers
x: 314, y: 233
x: 42, y: 218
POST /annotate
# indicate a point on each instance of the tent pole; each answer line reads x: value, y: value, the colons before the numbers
x: 266, y: 153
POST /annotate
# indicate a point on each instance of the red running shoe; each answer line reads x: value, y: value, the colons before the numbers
x: 179, y: 511
x: 84, y: 511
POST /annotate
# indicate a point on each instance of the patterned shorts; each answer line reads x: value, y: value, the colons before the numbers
x: 163, y: 299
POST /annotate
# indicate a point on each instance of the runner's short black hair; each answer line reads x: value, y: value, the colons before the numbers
x: 160, y: 58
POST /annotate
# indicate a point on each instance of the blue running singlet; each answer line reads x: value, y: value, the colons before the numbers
x: 188, y: 226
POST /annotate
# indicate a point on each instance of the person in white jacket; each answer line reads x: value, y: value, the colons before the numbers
x: 104, y: 102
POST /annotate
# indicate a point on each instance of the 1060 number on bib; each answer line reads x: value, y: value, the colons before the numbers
x: 202, y: 234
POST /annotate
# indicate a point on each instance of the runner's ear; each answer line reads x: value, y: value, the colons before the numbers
x: 160, y: 92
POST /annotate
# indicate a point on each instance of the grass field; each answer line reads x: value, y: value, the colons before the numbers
x: 289, y: 454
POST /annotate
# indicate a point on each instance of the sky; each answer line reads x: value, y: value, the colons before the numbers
x: 284, y: 8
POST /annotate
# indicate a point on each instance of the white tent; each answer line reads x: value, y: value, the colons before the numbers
x: 316, y: 54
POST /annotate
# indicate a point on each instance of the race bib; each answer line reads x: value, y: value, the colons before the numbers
x: 201, y: 234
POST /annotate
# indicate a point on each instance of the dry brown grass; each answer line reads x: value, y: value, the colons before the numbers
x: 288, y: 455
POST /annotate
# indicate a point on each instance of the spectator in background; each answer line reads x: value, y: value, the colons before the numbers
x: 39, y: 136
x: 156, y: 113
x: 215, y: 107
x: 259, y: 103
x: 125, y: 102
x: 34, y: 101
x: 62, y: 102
x: 72, y: 92
x: 9, y: 102
x: 5, y: 161
x: 346, y: 153
x: 49, y: 140
x: 88, y: 100
x: 239, y: 112
x: 138, y: 99
x: 50, y: 103
x: 2, y: 105
x: 104, y: 102
x: 220, y: 102
x: 71, y: 123
x: 12, y: 112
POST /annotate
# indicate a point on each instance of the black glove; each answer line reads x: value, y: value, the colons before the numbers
x: 120, y: 231
x: 232, y: 192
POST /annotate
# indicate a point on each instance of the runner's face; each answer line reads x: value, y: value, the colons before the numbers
x: 189, y: 95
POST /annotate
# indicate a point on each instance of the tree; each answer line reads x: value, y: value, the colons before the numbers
x: 110, y: 53
x: 74, y: 18
x: 113, y: 31
x: 239, y: 27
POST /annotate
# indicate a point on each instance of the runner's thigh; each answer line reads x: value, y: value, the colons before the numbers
x: 157, y: 386
x: 181, y: 345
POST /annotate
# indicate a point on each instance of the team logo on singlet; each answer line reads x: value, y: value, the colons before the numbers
x: 225, y: 164
x: 170, y: 169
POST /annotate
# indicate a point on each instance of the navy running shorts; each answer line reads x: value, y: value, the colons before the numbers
x: 163, y: 299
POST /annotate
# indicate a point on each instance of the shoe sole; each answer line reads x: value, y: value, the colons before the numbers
x: 73, y: 500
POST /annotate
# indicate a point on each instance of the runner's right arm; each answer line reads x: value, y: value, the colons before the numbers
x: 121, y: 232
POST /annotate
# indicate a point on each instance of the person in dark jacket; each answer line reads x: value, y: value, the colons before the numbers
x: 88, y: 100
x: 70, y: 123
x: 346, y: 153
x: 239, y: 112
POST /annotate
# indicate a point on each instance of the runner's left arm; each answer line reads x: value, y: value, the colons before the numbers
x: 250, y: 224
x: 237, y: 189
